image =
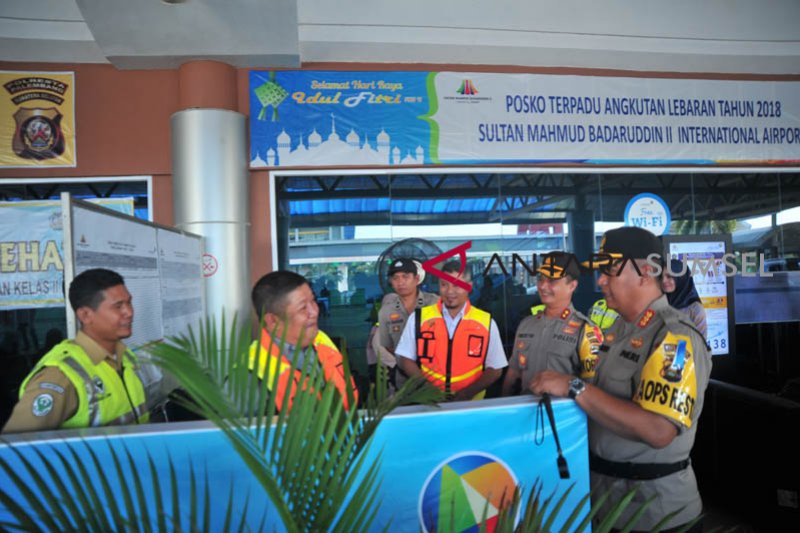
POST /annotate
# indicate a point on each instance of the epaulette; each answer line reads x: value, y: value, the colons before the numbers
x: 390, y: 298
x: 676, y: 320
x: 580, y: 316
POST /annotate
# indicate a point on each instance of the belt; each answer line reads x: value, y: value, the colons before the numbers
x: 640, y: 471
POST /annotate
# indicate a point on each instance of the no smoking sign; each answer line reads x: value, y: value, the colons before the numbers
x: 210, y: 265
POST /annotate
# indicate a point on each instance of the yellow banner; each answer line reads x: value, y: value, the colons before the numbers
x: 37, y: 119
x: 714, y: 302
x: 668, y: 384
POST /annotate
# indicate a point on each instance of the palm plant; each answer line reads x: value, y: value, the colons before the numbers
x: 309, y: 458
x: 703, y: 227
x: 540, y: 513
x: 66, y: 488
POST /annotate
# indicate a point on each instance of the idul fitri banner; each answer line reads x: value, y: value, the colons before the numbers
x: 31, y: 251
x: 37, y: 119
x: 326, y: 118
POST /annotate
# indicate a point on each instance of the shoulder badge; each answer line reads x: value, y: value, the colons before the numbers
x: 42, y: 404
x: 52, y: 386
x: 646, y: 318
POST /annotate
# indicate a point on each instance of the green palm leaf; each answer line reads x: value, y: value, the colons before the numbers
x: 308, y: 459
x: 540, y: 515
x: 74, y: 474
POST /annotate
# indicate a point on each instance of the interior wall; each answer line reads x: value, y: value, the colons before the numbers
x: 123, y: 129
x: 122, y: 123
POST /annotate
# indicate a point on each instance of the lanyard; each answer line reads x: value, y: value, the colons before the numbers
x: 563, y: 468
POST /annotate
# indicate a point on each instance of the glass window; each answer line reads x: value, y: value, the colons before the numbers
x: 342, y: 230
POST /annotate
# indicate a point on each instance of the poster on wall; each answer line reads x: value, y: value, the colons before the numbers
x: 704, y: 257
x: 31, y: 252
x: 161, y: 266
x: 340, y: 118
x: 37, y: 119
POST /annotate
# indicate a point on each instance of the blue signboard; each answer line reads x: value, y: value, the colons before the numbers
x: 467, y: 456
x: 373, y: 118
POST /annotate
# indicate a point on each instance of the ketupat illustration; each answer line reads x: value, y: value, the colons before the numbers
x: 270, y: 94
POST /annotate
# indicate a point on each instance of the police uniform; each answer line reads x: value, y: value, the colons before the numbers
x: 392, y: 319
x: 77, y: 384
x: 568, y: 344
x: 662, y: 364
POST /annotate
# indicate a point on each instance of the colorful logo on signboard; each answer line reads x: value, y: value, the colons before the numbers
x: 467, y: 87
x: 463, y: 490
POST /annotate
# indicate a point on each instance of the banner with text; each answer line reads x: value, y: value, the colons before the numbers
x: 37, y: 119
x: 31, y: 255
x: 327, y: 118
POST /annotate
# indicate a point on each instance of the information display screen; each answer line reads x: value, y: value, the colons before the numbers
x: 703, y: 256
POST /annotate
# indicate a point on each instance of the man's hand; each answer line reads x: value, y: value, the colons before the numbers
x: 489, y: 376
x: 409, y: 367
x: 550, y: 382
x: 619, y: 415
x: 462, y: 396
x: 509, y: 382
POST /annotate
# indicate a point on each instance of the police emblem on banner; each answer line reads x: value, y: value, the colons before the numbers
x: 38, y: 133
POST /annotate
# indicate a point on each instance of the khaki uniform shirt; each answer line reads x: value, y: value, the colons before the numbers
x: 562, y: 344
x: 660, y: 362
x: 392, y: 319
x: 51, y: 380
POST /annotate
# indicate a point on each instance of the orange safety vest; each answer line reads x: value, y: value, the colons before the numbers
x: 452, y: 364
x: 328, y: 356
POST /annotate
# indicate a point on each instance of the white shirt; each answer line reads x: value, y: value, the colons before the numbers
x: 407, y: 346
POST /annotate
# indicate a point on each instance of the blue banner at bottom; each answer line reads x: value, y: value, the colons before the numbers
x: 443, y: 469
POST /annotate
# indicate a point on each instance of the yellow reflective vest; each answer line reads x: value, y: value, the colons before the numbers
x: 602, y: 315
x: 267, y: 360
x: 453, y: 364
x: 104, y: 398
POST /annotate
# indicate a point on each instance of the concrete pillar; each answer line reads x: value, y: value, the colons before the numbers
x: 210, y: 181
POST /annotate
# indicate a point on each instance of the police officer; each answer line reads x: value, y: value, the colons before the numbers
x: 457, y: 347
x: 90, y: 380
x: 557, y: 337
x: 405, y: 276
x: 646, y: 397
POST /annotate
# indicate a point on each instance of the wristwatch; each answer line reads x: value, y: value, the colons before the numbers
x: 576, y: 387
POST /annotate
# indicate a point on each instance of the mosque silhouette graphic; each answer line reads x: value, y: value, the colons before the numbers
x: 335, y: 151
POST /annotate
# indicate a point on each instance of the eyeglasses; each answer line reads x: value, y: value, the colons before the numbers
x: 612, y: 268
x: 541, y: 278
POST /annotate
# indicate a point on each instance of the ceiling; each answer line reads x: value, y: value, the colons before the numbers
x: 707, y: 36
